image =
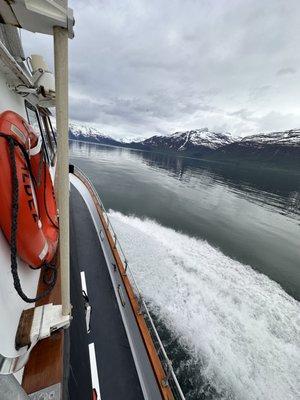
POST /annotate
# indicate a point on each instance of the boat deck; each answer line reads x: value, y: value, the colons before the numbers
x: 118, y: 378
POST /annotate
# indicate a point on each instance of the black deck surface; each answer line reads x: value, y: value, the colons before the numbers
x: 118, y: 378
x: 80, y: 382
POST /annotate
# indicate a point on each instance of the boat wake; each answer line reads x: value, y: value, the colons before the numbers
x: 240, y: 328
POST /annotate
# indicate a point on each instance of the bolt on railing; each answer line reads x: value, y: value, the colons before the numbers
x: 161, y: 352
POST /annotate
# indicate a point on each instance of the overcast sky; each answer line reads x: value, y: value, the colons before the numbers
x: 139, y: 68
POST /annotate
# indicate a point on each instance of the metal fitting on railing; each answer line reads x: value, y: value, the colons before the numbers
x: 141, y: 303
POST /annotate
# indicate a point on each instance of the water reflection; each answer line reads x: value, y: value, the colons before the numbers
x: 271, y: 188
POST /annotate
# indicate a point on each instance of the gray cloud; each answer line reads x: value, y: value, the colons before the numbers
x: 84, y: 109
x: 259, y: 93
x: 243, y: 114
x: 276, y: 121
x: 139, y: 67
x: 286, y: 71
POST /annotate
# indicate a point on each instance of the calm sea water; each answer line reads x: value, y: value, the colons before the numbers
x: 215, y: 249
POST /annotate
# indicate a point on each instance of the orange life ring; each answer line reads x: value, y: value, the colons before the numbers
x: 37, y: 223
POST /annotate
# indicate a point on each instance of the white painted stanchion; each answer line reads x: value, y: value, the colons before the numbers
x: 62, y: 168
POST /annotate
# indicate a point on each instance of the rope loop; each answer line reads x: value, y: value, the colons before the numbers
x: 14, y: 227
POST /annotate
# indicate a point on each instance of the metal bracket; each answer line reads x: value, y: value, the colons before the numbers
x: 50, y: 393
x: 35, y: 324
x: 46, y: 319
x: 22, y: 89
x: 38, y: 323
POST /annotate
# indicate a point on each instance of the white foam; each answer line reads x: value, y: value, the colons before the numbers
x: 242, y: 326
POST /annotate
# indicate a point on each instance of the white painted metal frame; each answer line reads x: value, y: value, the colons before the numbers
x: 62, y: 166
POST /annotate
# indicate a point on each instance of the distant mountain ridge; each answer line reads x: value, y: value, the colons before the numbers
x: 286, y: 138
x: 90, y: 134
x: 281, y: 149
x: 189, y: 140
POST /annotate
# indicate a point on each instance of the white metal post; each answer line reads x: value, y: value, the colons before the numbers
x: 62, y: 167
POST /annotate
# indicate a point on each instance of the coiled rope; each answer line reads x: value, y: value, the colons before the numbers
x: 14, y: 226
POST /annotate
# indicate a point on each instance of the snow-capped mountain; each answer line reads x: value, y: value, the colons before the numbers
x: 276, y: 149
x: 188, y: 141
x: 89, y: 134
x: 286, y: 138
x: 279, y: 149
x: 202, y: 137
x: 130, y: 139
